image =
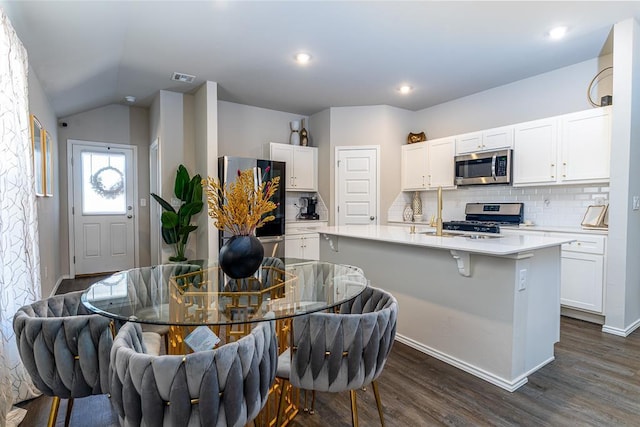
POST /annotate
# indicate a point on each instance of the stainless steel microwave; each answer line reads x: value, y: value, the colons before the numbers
x: 491, y: 167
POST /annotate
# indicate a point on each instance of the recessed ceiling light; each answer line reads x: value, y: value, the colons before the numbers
x: 405, y: 89
x: 130, y: 99
x: 302, y: 58
x: 557, y: 33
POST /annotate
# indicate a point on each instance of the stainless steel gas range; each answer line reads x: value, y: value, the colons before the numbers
x: 487, y: 217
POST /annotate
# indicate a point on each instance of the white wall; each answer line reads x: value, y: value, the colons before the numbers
x: 244, y: 130
x: 118, y: 124
x: 622, y: 302
x: 48, y: 207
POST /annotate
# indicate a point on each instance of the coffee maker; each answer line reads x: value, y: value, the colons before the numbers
x: 308, y: 208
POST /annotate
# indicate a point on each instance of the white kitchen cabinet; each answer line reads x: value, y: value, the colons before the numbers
x: 491, y: 139
x: 413, y: 164
x: 303, y: 246
x: 586, y: 145
x: 535, y: 152
x: 302, y: 241
x: 428, y: 165
x: 567, y: 149
x: 441, y: 165
x: 582, y: 263
x: 302, y: 165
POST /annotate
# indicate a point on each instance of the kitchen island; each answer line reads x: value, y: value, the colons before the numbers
x: 489, y: 305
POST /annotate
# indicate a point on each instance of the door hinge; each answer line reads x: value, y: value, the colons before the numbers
x: 74, y: 259
x: 339, y: 163
x: 73, y: 210
x: 71, y: 160
x: 338, y: 208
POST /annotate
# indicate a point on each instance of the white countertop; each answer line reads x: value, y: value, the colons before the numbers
x: 503, y: 245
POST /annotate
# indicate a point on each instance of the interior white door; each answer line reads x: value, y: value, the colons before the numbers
x: 357, y: 184
x: 103, y: 195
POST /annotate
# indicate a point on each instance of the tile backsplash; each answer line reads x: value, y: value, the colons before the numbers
x: 552, y: 206
x: 292, y: 207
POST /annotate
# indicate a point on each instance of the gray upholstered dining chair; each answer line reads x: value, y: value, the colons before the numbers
x: 336, y: 352
x: 64, y: 348
x: 227, y: 386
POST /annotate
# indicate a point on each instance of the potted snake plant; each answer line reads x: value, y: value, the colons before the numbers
x: 176, y: 224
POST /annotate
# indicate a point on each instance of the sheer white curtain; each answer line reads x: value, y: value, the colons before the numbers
x: 19, y: 259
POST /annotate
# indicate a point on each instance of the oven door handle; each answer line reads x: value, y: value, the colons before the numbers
x: 493, y: 167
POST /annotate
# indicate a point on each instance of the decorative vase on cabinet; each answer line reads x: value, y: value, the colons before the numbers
x: 294, y: 139
x: 304, y: 135
x: 416, y: 205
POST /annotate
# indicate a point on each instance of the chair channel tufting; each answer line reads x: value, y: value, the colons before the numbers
x: 227, y: 386
x: 334, y: 352
x: 64, y: 348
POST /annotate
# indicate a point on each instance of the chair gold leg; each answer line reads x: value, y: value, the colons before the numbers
x: 53, y: 412
x: 376, y: 393
x: 283, y: 389
x: 354, y: 409
x: 313, y: 402
x: 67, y: 417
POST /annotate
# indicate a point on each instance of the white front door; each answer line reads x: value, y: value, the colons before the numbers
x: 102, y: 208
x: 357, y: 175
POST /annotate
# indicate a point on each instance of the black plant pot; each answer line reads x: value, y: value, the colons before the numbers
x: 241, y: 256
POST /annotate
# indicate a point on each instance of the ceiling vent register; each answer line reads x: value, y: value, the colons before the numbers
x: 184, y: 78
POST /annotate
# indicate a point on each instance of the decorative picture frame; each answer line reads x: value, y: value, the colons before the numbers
x: 595, y: 216
x: 38, y: 151
x: 48, y: 164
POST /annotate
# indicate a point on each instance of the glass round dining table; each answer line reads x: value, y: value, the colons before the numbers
x: 200, y: 294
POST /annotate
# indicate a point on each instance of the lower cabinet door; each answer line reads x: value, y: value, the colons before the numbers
x: 312, y: 247
x: 293, y: 246
x: 303, y: 246
x: 582, y: 281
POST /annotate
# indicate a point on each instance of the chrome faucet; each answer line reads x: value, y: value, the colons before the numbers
x: 439, y: 217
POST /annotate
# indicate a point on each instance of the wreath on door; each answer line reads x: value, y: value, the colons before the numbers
x: 113, y: 177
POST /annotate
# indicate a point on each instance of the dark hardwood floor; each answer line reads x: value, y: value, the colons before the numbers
x: 594, y: 381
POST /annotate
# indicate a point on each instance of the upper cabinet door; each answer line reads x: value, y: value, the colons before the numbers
x: 283, y: 153
x: 586, y: 145
x: 305, y: 168
x: 535, y: 152
x: 302, y: 165
x: 497, y: 138
x: 414, y: 164
x: 468, y: 143
x: 441, y: 162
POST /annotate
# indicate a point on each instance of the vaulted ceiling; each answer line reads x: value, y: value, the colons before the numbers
x: 88, y: 54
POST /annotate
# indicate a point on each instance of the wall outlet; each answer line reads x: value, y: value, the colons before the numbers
x: 522, y: 282
x: 636, y: 203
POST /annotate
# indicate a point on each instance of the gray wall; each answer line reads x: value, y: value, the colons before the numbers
x: 556, y: 92
x: 48, y: 207
x: 118, y: 124
x: 244, y: 130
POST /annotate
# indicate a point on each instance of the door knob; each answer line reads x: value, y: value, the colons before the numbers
x: 129, y: 216
x: 372, y: 218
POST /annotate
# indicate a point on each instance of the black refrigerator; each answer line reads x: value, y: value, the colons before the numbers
x: 271, y: 234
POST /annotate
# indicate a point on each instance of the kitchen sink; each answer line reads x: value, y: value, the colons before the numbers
x: 467, y: 235
x: 444, y: 234
x: 482, y: 236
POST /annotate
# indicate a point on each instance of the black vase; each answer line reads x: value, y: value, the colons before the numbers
x: 241, y: 256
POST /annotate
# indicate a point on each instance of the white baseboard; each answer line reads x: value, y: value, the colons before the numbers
x: 622, y: 332
x: 473, y: 370
x: 58, y: 282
